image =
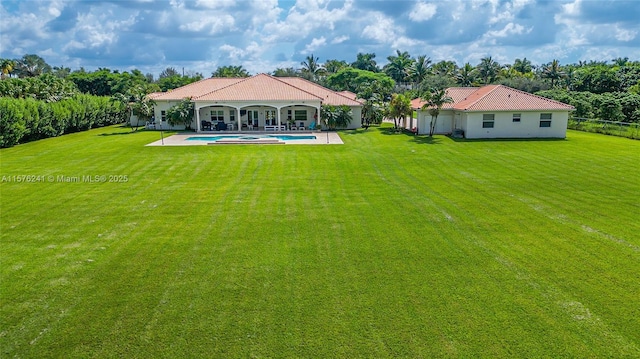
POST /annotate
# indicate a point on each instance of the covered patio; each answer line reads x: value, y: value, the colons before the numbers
x: 261, y: 117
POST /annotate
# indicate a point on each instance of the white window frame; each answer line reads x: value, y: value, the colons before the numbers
x: 488, y: 120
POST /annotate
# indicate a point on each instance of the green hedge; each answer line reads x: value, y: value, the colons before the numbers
x: 27, y: 119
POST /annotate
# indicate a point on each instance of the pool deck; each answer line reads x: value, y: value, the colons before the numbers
x: 322, y: 138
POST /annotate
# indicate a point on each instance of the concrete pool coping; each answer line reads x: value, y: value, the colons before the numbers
x: 180, y: 139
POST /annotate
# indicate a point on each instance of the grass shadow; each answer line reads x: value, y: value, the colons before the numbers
x: 413, y: 137
x: 533, y: 139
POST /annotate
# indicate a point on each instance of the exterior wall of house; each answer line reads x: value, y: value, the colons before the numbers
x: 444, y: 123
x: 158, y: 110
x: 357, y: 117
x: 241, y: 117
x: 504, y: 125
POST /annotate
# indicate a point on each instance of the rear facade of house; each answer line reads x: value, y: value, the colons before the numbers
x: 495, y: 111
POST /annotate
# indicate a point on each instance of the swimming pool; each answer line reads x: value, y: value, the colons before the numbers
x: 251, y: 137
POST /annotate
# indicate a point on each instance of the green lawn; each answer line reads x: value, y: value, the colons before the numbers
x: 387, y: 246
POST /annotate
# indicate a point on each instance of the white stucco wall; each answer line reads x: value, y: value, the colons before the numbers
x: 504, y: 127
x: 444, y: 123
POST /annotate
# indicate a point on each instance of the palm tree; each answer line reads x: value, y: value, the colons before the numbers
x: 620, y: 61
x: 7, y: 68
x: 286, y: 72
x: 466, y: 75
x: 445, y: 68
x: 398, y: 66
x: 333, y: 66
x: 399, y: 109
x: 434, y: 100
x: 488, y: 70
x: 419, y: 69
x: 311, y: 69
x: 553, y: 71
x: 522, y: 66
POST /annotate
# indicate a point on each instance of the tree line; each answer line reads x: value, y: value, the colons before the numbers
x: 598, y: 89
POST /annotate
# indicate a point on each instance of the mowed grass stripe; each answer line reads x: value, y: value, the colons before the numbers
x: 390, y: 245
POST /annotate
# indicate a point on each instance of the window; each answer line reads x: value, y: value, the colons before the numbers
x: 163, y: 116
x: 516, y: 117
x: 545, y: 120
x: 300, y: 115
x: 270, y: 117
x: 217, y: 115
x: 488, y: 120
x: 232, y: 115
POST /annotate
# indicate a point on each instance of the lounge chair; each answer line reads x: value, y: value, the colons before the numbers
x: 312, y: 126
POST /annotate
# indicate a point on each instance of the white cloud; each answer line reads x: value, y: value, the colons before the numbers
x: 315, y: 44
x: 509, y: 29
x: 423, y: 11
x: 340, y: 39
x: 210, y: 25
x: 625, y: 35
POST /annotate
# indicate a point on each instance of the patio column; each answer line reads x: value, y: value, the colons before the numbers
x: 278, y: 117
x: 197, y: 111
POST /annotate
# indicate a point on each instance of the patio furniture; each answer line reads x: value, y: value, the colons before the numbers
x: 301, y: 127
x: 205, y: 125
x: 221, y: 126
x: 230, y: 127
x: 312, y: 126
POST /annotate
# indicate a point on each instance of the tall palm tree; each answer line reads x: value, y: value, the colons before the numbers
x: 466, y: 75
x: 333, y: 66
x: 553, y: 71
x: 522, y: 66
x: 311, y: 68
x: 398, y: 66
x: 419, y: 69
x: 488, y: 70
x: 434, y: 100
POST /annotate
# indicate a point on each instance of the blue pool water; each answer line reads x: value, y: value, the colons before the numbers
x: 251, y: 137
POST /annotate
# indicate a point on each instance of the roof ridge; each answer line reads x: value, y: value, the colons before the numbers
x: 324, y: 88
x: 480, y: 97
x: 532, y: 94
x: 295, y: 87
x: 224, y: 87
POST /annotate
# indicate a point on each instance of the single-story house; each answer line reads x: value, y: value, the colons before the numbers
x: 495, y: 111
x: 261, y: 102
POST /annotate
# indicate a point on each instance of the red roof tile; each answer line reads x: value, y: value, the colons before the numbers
x: 260, y: 87
x: 456, y: 93
x: 496, y: 98
x: 197, y: 88
x: 329, y: 97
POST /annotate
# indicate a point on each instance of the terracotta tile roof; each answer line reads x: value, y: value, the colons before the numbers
x: 456, y: 93
x: 154, y: 95
x: 197, y: 88
x: 503, y: 98
x: 329, y: 97
x: 260, y: 87
x: 496, y: 98
x: 349, y: 94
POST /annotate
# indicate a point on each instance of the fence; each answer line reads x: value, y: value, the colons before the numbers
x: 614, y: 128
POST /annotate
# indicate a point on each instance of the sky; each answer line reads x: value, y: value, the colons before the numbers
x: 262, y: 35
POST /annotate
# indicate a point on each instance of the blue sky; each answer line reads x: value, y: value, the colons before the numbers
x: 262, y: 35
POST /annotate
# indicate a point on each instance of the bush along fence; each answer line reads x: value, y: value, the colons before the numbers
x: 614, y: 128
x: 27, y: 119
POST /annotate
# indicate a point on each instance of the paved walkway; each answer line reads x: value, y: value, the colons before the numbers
x: 245, y: 137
